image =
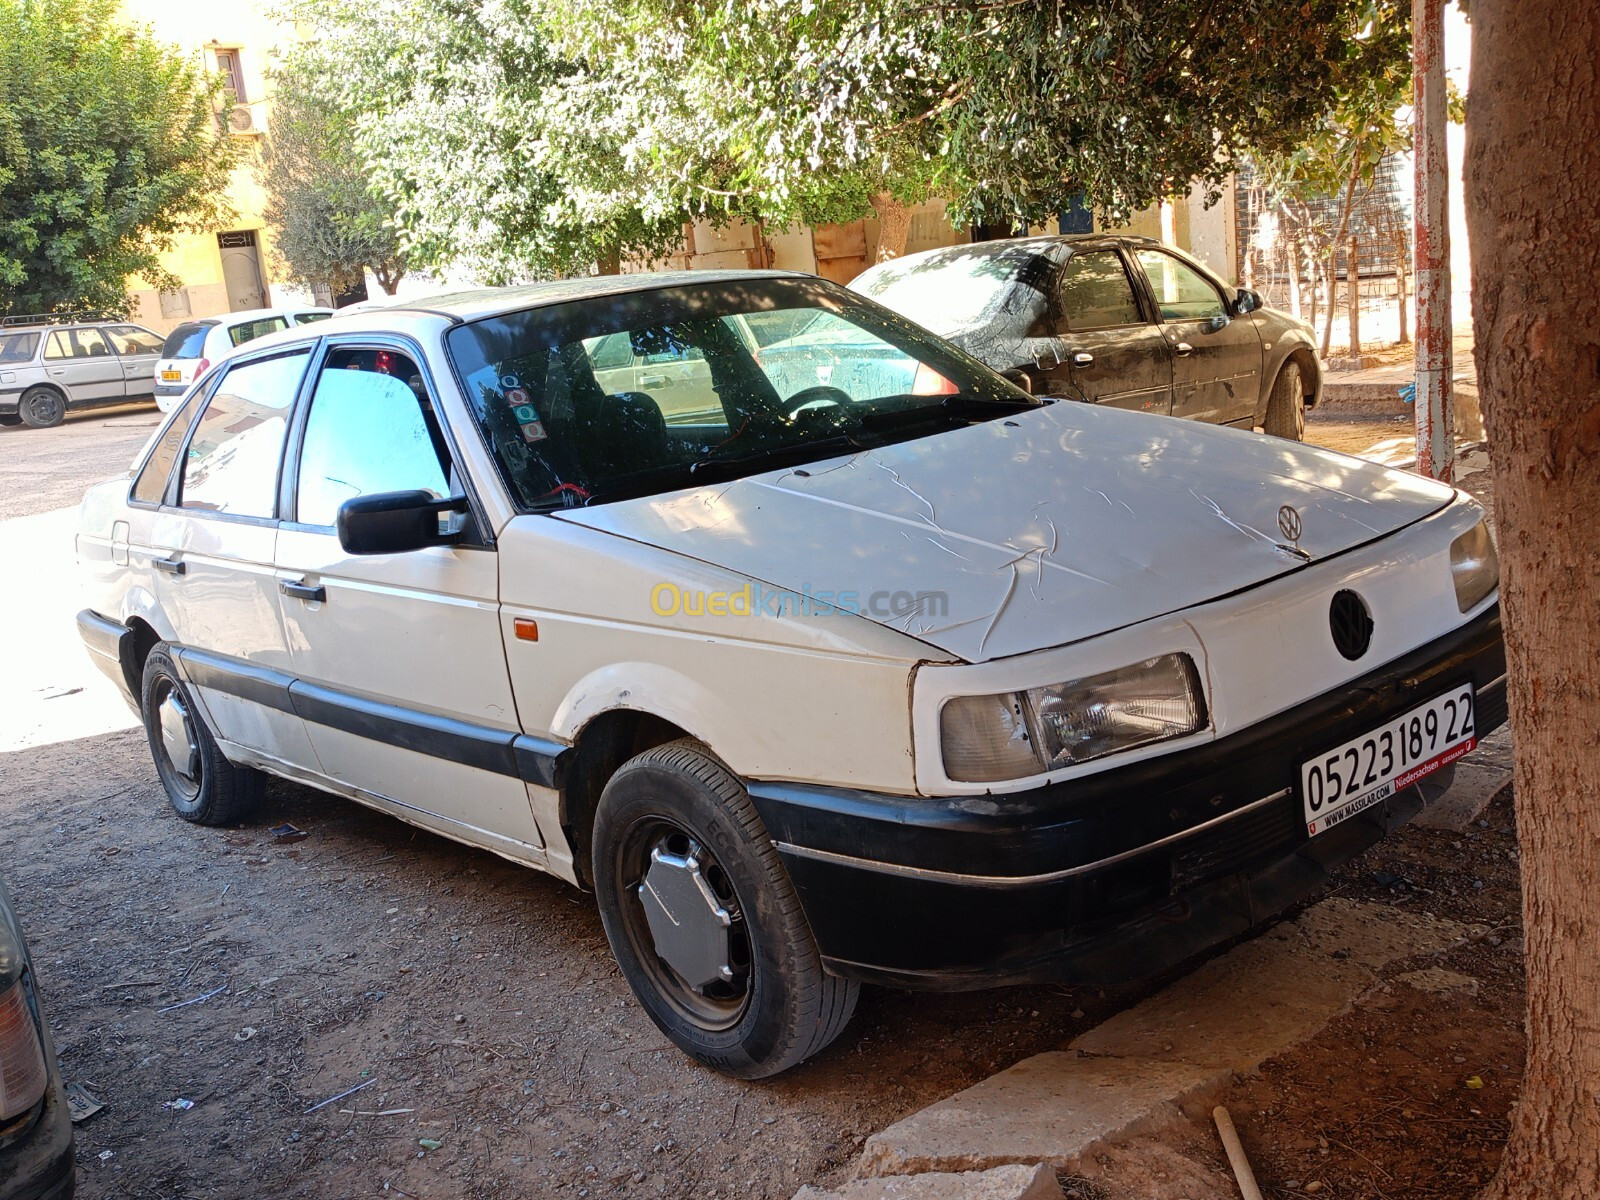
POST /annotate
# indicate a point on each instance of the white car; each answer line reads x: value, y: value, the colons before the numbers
x: 882, y: 675
x: 192, y: 347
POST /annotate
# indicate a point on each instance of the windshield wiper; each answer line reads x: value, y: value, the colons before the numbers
x: 960, y: 407
x: 778, y: 456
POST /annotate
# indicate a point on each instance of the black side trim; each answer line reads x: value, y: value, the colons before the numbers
x: 534, y: 760
x: 248, y: 681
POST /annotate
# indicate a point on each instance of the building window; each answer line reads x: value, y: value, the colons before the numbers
x: 232, y: 76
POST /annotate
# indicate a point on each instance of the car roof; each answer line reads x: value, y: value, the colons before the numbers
x: 1017, y: 246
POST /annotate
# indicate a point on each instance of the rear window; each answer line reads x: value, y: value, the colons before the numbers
x: 187, y: 340
x: 18, y: 347
x: 249, y: 331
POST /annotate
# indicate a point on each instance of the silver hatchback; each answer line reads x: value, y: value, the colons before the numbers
x: 50, y: 364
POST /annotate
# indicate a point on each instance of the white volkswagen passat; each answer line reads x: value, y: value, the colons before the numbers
x: 871, y: 668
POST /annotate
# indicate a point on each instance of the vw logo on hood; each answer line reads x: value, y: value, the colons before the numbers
x: 1289, y: 522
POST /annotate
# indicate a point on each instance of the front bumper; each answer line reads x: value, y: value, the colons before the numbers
x: 1111, y: 877
x: 39, y: 1162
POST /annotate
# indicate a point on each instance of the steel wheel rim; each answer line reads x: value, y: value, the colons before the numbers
x: 169, y: 706
x: 719, y: 1006
x: 46, y: 407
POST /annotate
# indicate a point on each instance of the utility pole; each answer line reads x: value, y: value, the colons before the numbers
x: 1436, y: 445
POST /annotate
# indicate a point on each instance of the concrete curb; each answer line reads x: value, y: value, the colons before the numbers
x: 1129, y: 1075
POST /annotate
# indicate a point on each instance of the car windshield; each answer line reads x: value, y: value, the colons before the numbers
x: 18, y: 347
x: 956, y: 288
x: 645, y: 392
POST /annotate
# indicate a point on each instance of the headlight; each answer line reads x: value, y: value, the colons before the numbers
x: 989, y: 738
x: 1474, y: 566
x: 22, y: 1071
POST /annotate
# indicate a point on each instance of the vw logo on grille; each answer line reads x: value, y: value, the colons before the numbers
x: 1289, y: 522
x: 1350, y: 623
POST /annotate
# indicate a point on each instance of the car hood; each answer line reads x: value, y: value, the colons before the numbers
x: 1037, y: 530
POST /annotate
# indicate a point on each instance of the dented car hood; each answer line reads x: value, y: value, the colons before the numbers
x: 1035, y: 530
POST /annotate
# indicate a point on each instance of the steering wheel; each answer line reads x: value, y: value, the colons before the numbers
x: 815, y: 399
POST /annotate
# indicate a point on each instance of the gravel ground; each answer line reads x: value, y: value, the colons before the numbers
x: 474, y: 1003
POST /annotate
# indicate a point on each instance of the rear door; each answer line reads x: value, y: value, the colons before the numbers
x: 82, y: 364
x: 209, y: 559
x: 400, y: 662
x: 1108, y: 347
x: 1216, y: 364
x: 138, y: 350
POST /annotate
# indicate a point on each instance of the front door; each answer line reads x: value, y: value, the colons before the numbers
x: 209, y: 560
x: 1216, y: 363
x: 400, y: 663
x: 241, y: 270
x: 137, y: 350
x: 1107, y: 349
x: 81, y: 362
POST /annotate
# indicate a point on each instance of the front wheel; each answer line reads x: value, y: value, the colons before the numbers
x: 41, y: 407
x: 203, y: 786
x: 703, y: 919
x: 1286, y: 407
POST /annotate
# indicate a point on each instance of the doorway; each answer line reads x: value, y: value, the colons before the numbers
x: 241, y: 270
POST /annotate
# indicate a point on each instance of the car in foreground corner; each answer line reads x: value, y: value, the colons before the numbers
x: 191, y: 348
x: 36, y: 1143
x: 1116, y: 320
x: 876, y: 669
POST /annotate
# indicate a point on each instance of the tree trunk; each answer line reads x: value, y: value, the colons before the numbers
x: 608, y: 262
x: 1294, y: 280
x: 1531, y: 179
x: 1333, y: 254
x: 894, y: 226
x: 1400, y: 251
x: 1352, y: 276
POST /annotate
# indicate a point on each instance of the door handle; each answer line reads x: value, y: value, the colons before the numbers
x: 1083, y: 359
x: 171, y: 566
x: 301, y: 590
x: 1182, y: 348
x: 652, y: 381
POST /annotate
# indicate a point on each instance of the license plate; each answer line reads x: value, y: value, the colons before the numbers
x: 171, y: 376
x: 1369, y: 769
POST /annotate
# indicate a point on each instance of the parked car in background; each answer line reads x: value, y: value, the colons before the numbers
x: 1122, y: 321
x: 193, y: 346
x: 53, y: 364
x: 863, y: 665
x: 36, y: 1143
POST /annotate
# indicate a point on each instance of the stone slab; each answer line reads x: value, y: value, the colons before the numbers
x: 1268, y: 994
x: 1439, y: 982
x: 1475, y: 785
x: 1050, y: 1108
x: 1014, y: 1182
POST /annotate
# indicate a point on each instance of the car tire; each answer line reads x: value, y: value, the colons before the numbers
x: 1286, y: 407
x: 203, y: 786
x: 745, y: 992
x: 42, y: 407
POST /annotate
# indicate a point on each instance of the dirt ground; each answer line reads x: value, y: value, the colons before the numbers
x: 496, y: 1049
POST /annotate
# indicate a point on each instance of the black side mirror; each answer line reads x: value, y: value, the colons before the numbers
x: 394, y: 522
x: 1246, y: 301
x: 1019, y: 377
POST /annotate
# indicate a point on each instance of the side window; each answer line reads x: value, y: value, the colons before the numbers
x: 371, y: 428
x: 1182, y: 293
x: 1096, y: 292
x: 131, y: 340
x: 233, y: 457
x: 609, y: 352
x: 151, y: 486
x: 76, y: 343
x: 251, y: 330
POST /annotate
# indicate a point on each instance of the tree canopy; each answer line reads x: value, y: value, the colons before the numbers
x: 109, y: 145
x: 331, y: 226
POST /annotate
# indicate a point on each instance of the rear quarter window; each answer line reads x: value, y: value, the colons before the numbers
x: 249, y: 331
x: 18, y: 347
x: 186, y: 341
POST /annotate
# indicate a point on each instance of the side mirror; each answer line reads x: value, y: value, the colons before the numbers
x: 1246, y: 301
x: 394, y: 522
x: 1018, y: 377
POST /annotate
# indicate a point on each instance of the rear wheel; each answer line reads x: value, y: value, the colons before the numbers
x: 42, y: 407
x: 1286, y: 408
x: 203, y: 786
x: 704, y: 921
